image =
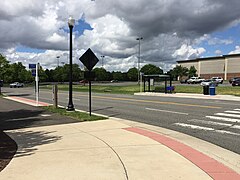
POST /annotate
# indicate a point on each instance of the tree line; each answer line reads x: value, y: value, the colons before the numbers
x: 18, y: 72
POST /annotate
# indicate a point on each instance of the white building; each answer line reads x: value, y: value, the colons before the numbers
x: 226, y: 66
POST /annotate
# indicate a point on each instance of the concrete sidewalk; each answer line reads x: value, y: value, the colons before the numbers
x: 111, y: 149
x: 115, y: 149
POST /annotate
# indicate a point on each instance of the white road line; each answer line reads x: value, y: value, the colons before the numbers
x: 234, y: 112
x: 194, y: 126
x: 229, y: 115
x: 223, y: 119
x: 210, y: 122
x: 236, y: 109
x: 166, y: 111
x: 215, y: 123
x: 236, y: 127
x: 227, y: 132
x: 206, y: 129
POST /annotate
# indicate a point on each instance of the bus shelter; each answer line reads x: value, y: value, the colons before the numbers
x: 151, y: 81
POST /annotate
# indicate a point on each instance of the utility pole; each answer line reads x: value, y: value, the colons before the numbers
x: 139, y: 56
x: 102, y: 60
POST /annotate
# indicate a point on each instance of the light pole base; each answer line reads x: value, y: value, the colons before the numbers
x: 70, y: 108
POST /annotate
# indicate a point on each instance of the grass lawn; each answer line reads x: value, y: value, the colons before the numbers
x: 131, y: 89
x: 223, y: 90
x: 76, y: 115
x: 100, y: 88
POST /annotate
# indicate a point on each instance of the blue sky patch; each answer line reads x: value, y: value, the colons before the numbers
x: 21, y: 48
x: 229, y: 34
x: 80, y: 26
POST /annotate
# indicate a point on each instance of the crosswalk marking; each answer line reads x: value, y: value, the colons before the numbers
x: 210, y: 122
x: 227, y: 132
x: 206, y: 128
x: 234, y: 112
x: 229, y: 115
x: 194, y: 126
x: 236, y: 109
x: 223, y: 119
x: 215, y: 123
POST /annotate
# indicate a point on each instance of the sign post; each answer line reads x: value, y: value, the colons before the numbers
x: 89, y: 60
x: 34, y: 68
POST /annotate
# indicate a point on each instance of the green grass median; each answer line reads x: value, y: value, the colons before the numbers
x: 81, y: 116
x: 131, y: 89
x: 99, y: 88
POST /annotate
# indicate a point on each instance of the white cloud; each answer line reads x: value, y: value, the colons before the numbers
x: 170, y: 29
x: 236, y: 51
x: 214, y: 41
x: 218, y: 52
x: 188, y: 52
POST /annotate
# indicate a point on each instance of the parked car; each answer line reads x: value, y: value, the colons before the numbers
x: 84, y: 81
x: 195, y: 80
x: 112, y: 81
x: 236, y: 82
x: 209, y: 82
x: 218, y: 79
x: 233, y: 79
x: 16, y: 85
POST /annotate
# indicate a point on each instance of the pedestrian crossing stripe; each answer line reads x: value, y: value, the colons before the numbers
x: 234, y: 112
x: 229, y: 115
x: 215, y: 123
x: 224, y: 119
x: 206, y: 128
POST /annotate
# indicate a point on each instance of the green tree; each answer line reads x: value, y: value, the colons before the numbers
x: 132, y: 74
x: 101, y: 74
x: 61, y: 73
x: 4, y: 67
x: 151, y: 69
x: 192, y: 71
x: 42, y: 75
x: 49, y: 74
x: 117, y: 76
x: 77, y: 73
x: 179, y: 71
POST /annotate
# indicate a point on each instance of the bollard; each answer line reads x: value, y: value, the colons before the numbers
x: 55, y: 96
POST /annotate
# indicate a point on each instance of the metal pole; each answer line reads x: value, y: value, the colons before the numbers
x: 139, y: 44
x: 37, y: 84
x: 102, y: 60
x: 70, y: 102
x: 55, y: 96
x: 90, y: 99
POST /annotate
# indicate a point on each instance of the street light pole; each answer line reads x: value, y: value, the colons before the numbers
x: 58, y: 60
x: 139, y: 40
x: 70, y: 106
x: 102, y: 60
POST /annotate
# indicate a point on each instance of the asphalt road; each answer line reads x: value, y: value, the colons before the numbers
x: 196, y: 117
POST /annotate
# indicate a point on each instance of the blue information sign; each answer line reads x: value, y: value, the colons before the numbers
x: 33, y: 72
x: 32, y: 66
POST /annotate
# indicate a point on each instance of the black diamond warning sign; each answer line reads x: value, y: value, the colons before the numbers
x: 89, y: 59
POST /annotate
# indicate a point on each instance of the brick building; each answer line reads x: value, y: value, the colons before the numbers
x: 225, y: 66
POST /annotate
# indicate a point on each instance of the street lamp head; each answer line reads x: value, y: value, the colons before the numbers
x: 71, y: 21
x: 140, y: 38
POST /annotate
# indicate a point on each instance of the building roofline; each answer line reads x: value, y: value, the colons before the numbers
x: 209, y: 58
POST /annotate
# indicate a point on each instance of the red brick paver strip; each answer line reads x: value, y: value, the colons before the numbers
x: 213, y: 168
x: 27, y: 101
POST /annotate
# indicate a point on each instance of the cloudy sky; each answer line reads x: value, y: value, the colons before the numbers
x: 36, y: 31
